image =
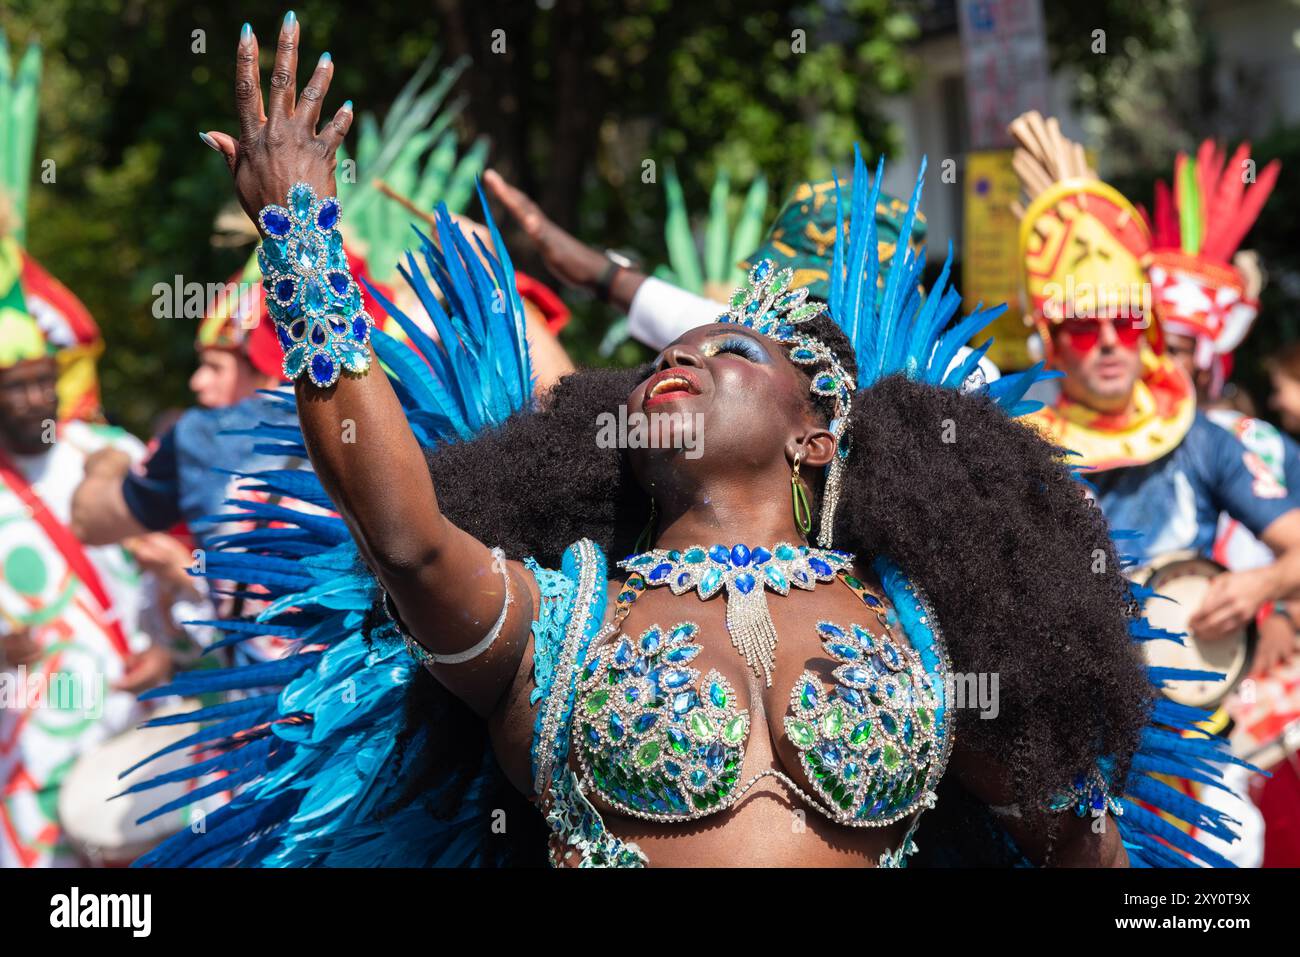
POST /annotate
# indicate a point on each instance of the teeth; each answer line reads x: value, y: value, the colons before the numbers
x: 665, y: 385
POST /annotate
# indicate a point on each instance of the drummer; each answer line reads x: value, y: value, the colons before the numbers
x: 1159, y: 467
x: 72, y: 656
x: 1205, y: 293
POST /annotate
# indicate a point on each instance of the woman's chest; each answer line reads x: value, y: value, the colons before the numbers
x: 673, y: 720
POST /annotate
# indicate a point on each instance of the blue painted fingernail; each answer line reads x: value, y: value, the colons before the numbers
x: 348, y: 106
x: 209, y: 141
x: 324, y: 59
x: 289, y: 19
x: 245, y: 32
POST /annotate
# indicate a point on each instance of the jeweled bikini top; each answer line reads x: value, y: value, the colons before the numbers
x: 661, y: 742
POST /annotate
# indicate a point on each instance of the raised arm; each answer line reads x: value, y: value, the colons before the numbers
x: 446, y: 586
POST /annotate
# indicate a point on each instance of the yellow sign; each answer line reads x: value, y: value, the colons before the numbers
x: 990, y: 262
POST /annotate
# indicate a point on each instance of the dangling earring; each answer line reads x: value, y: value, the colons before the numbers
x: 646, y: 539
x: 802, y: 512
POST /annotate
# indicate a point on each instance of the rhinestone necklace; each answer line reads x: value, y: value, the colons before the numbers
x: 745, y: 574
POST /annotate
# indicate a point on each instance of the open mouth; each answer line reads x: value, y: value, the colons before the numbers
x: 671, y: 384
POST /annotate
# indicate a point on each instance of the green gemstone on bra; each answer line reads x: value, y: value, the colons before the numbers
x: 923, y: 716
x: 595, y: 701
x: 890, y: 757
x: 702, y: 726
x: 861, y: 733
x: 852, y: 582
x: 833, y: 723
x: 734, y: 730
x: 648, y: 753
x: 801, y: 733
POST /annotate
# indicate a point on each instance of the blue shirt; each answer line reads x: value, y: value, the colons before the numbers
x: 1175, y: 501
x: 182, y: 481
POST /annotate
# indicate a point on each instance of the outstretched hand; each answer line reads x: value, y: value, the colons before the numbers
x: 567, y: 258
x: 279, y: 145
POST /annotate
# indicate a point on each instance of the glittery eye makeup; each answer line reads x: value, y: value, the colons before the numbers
x: 737, y: 345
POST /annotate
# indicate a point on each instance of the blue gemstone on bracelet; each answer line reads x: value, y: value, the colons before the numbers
x: 360, y: 328
x: 275, y: 221
x: 323, y: 370
x: 328, y: 216
x: 310, y: 294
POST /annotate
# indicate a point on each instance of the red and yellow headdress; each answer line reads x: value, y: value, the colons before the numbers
x: 30, y: 296
x: 1084, y: 247
x: 1199, y: 288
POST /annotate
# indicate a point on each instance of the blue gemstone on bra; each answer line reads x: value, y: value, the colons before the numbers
x: 651, y: 641
x: 739, y: 556
x: 802, y: 576
x: 745, y: 583
x: 717, y: 695
x: 671, y: 768
x: 856, y: 675
x: 714, y: 755
x: 683, y: 579
x: 763, y: 270
x: 831, y: 631
x: 360, y: 328
x: 337, y: 324
x: 646, y: 722
x: 675, y: 678
x: 773, y: 575
x: 593, y: 735
x: 616, y: 728
x: 760, y: 555
x: 720, y: 554
x: 785, y: 552
x: 820, y: 567
x: 850, y: 696
x: 317, y: 335
x: 623, y: 653
x: 684, y: 701
x: 322, y: 368
x: 888, y: 723
x: 276, y: 222
x: 843, y: 651
x: 674, y: 555
x: 282, y: 334
x: 829, y: 754
x: 660, y: 572
x: 871, y: 600
x: 699, y: 779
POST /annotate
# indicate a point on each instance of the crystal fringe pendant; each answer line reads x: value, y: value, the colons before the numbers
x: 749, y: 622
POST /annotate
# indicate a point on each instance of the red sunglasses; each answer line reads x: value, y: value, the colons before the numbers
x: 1084, y: 333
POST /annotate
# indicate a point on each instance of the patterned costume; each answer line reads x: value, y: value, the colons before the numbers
x: 318, y: 769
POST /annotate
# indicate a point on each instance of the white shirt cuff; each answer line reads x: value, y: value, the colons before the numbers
x: 660, y: 312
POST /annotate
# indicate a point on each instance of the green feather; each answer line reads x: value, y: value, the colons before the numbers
x: 1189, y: 209
x: 749, y: 230
x: 677, y: 236
x: 715, y: 231
x: 460, y: 187
x: 19, y: 112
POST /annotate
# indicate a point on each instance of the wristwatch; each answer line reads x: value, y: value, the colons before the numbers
x: 614, y: 262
